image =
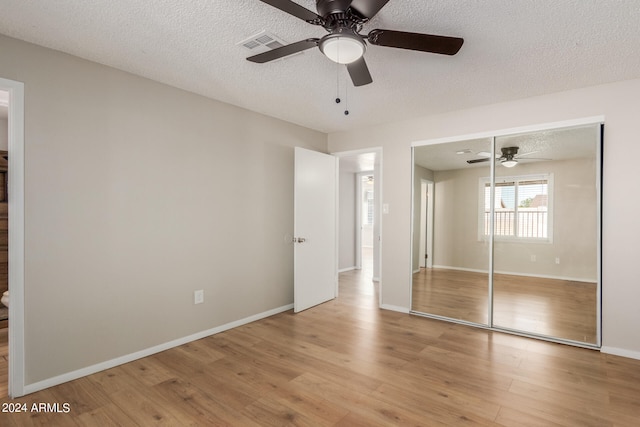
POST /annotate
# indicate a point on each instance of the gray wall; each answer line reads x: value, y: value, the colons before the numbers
x: 347, y: 221
x: 617, y: 102
x: 136, y: 195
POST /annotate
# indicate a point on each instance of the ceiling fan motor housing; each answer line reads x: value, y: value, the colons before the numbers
x: 337, y: 14
x: 509, y: 152
x: 329, y: 7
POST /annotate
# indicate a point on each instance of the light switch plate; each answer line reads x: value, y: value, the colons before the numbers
x: 198, y: 297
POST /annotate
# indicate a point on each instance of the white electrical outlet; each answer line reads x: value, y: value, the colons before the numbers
x: 533, y: 258
x: 557, y: 260
x: 198, y: 297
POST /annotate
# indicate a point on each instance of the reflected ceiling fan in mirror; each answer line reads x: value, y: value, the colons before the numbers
x: 509, y: 157
x: 343, y: 20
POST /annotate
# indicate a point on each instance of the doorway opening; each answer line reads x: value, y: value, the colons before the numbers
x: 425, y: 226
x: 359, y: 221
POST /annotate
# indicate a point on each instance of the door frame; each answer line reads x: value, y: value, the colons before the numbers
x: 16, y: 235
x: 358, y: 225
x: 592, y: 120
x: 426, y: 223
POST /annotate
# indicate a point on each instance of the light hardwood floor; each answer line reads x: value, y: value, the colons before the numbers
x: 555, y: 308
x: 348, y: 363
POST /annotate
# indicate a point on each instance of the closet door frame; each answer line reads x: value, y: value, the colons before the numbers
x: 594, y: 120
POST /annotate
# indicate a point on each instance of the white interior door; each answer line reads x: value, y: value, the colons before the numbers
x: 315, y: 229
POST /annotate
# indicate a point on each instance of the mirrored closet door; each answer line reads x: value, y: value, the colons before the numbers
x: 447, y: 281
x: 506, y: 232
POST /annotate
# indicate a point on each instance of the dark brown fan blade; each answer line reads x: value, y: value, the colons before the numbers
x: 486, y: 159
x: 283, y: 51
x: 368, y: 8
x: 296, y: 10
x: 416, y: 41
x: 359, y: 72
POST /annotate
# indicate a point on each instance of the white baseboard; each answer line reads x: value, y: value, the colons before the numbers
x: 416, y: 271
x: 473, y: 270
x: 512, y: 273
x: 344, y: 270
x: 395, y: 308
x: 620, y: 352
x: 70, y: 376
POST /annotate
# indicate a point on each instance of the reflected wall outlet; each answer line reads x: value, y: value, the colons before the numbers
x: 198, y: 297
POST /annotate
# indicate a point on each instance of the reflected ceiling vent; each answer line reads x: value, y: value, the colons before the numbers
x: 262, y: 42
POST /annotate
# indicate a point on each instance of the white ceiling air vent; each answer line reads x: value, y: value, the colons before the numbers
x: 262, y: 42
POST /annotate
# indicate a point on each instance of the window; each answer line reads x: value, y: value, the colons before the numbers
x: 370, y: 206
x: 522, y: 208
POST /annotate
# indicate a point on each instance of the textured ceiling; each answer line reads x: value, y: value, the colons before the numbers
x: 512, y: 50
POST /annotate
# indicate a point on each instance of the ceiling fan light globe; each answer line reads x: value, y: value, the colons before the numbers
x: 509, y: 163
x: 343, y: 49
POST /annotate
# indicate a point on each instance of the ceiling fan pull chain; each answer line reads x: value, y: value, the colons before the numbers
x: 338, y: 83
x: 346, y: 100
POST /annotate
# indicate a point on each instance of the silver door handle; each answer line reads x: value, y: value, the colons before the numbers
x: 299, y: 240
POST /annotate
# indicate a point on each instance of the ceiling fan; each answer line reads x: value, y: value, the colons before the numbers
x: 343, y: 20
x: 509, y: 157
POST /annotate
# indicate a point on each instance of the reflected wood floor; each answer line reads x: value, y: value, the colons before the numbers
x: 348, y: 363
x: 556, y: 308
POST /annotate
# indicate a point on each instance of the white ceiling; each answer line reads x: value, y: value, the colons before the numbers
x: 512, y: 50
